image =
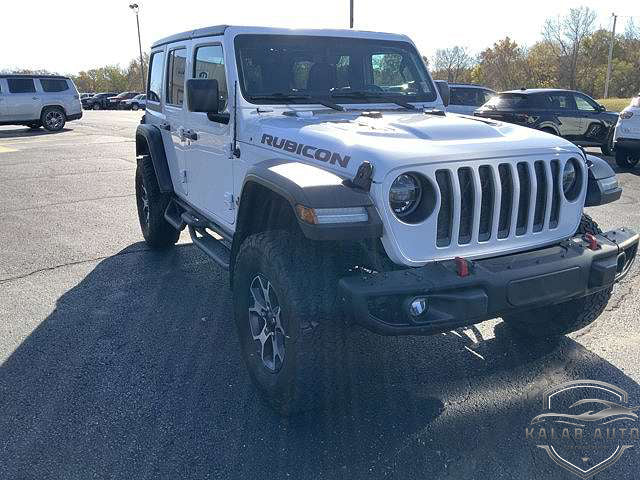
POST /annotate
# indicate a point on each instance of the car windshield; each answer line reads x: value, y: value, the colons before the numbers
x: 507, y: 101
x: 276, y: 69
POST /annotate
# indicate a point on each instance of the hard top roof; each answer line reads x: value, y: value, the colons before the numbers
x: 528, y: 91
x: 29, y: 75
x: 221, y: 29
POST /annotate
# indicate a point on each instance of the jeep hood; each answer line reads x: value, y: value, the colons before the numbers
x: 342, y: 141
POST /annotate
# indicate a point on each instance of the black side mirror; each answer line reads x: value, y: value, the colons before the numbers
x: 602, y: 108
x: 203, y: 95
x: 445, y: 91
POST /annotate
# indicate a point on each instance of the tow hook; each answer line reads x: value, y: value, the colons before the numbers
x: 462, y: 267
x: 592, y: 241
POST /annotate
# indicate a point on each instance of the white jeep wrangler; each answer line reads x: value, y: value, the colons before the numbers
x: 319, y: 168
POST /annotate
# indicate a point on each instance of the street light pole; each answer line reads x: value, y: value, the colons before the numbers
x: 135, y: 8
x: 613, y: 38
x: 351, y: 14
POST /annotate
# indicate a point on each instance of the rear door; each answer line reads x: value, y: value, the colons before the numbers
x: 23, y: 101
x: 569, y: 120
x: 208, y: 156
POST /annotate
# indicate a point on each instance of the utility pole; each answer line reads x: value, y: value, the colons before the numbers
x: 135, y: 8
x: 613, y: 37
x: 351, y: 14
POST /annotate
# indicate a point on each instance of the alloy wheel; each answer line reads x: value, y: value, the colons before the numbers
x: 264, y: 323
x: 54, y: 119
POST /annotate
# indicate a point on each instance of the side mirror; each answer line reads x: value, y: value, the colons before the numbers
x: 203, y: 95
x: 445, y: 92
x: 602, y: 108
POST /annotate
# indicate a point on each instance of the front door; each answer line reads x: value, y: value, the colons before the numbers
x: 22, y: 101
x: 208, y: 152
x: 593, y: 128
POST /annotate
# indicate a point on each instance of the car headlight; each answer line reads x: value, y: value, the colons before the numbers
x: 626, y: 115
x: 405, y: 195
x: 571, y: 179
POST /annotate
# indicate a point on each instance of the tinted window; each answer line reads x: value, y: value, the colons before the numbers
x: 472, y: 97
x: 21, y: 85
x: 155, y: 76
x: 559, y: 101
x: 209, y: 63
x: 509, y: 101
x: 175, y: 76
x: 54, y: 85
x: 323, y: 67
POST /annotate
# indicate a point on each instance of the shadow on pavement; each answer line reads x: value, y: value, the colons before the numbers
x: 26, y: 132
x: 137, y: 374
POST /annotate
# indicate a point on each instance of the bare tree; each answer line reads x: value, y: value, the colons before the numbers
x: 565, y: 34
x: 453, y: 62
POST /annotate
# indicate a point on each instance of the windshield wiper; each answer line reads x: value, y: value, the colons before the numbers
x: 365, y: 94
x: 298, y: 96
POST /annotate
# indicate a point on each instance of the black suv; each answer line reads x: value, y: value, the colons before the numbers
x: 572, y: 115
x: 98, y: 102
x: 115, y: 101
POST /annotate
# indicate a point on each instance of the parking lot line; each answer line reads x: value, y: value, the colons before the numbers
x: 7, y: 149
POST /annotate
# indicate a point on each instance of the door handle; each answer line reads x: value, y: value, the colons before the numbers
x: 165, y: 126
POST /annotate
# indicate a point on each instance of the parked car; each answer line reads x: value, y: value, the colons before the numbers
x: 114, y: 102
x: 86, y: 95
x: 626, y: 139
x: 333, y: 197
x: 98, y: 102
x: 466, y: 98
x: 567, y: 113
x: 136, y: 103
x: 38, y: 101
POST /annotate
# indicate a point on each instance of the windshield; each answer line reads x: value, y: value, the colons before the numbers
x: 312, y: 68
x: 507, y: 101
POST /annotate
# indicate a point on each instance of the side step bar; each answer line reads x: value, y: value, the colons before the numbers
x: 178, y: 217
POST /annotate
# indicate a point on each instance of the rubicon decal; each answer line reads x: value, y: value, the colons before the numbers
x: 307, y: 151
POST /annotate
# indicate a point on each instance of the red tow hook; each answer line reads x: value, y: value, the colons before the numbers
x: 593, y: 242
x: 462, y: 266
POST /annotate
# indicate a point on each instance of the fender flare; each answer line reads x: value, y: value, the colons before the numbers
x: 549, y: 125
x: 313, y: 187
x: 602, y: 184
x: 150, y: 136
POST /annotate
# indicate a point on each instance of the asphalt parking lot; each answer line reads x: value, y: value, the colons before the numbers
x: 120, y: 362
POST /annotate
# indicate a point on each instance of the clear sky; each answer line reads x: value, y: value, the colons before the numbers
x: 72, y: 35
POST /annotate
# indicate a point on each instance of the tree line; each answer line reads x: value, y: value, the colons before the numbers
x: 572, y: 53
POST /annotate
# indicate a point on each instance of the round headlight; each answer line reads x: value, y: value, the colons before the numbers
x: 405, y: 195
x: 569, y: 177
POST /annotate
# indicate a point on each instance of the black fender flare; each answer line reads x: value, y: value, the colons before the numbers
x: 602, y: 183
x: 313, y: 187
x: 149, y: 142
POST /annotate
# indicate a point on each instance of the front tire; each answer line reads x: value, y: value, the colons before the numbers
x: 284, y: 308
x: 626, y: 159
x: 151, y: 203
x: 557, y: 320
x: 607, y: 148
x: 134, y: 106
x: 53, y: 119
x: 96, y: 106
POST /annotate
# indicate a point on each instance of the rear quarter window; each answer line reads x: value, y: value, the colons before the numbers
x: 54, y: 85
x: 509, y: 101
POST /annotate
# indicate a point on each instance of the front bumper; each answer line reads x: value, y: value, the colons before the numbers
x: 494, y: 286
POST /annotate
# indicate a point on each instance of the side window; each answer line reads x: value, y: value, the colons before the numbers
x: 484, y: 96
x: 155, y: 76
x: 209, y: 63
x: 583, y: 104
x: 176, y: 65
x: 21, y: 85
x: 560, y: 101
x: 54, y: 85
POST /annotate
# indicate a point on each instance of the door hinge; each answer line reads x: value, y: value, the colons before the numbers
x: 228, y: 200
x: 183, y: 176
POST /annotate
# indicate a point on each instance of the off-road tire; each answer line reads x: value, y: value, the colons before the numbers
x: 557, y: 320
x: 303, y: 275
x: 53, y: 119
x: 157, y: 232
x: 626, y: 158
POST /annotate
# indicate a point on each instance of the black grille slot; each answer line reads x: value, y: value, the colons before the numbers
x: 465, y: 179
x: 486, y: 207
x: 506, y: 201
x: 541, y: 196
x: 555, y: 199
x: 445, y: 215
x: 523, y: 206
